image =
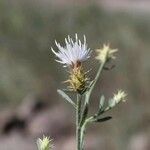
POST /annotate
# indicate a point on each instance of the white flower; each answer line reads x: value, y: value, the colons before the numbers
x: 44, y: 144
x: 120, y: 96
x: 73, y: 53
x: 105, y: 53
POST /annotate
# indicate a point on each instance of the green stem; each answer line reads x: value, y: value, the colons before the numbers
x: 78, y: 117
x: 95, y: 80
x: 86, y: 104
x: 88, y: 94
x: 83, y: 131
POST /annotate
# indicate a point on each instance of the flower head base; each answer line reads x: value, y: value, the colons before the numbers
x: 44, y: 144
x: 78, y: 80
x: 105, y: 53
x: 73, y: 53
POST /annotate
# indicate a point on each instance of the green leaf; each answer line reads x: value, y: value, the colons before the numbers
x: 66, y: 97
x: 101, y: 102
x: 103, y: 119
x: 109, y: 68
x: 101, y: 106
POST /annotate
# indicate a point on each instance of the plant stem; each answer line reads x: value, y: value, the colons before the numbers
x: 80, y: 130
x: 86, y: 104
x: 78, y: 117
x: 83, y: 128
x: 95, y: 80
x: 88, y: 94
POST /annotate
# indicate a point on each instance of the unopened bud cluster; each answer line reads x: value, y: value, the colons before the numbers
x: 105, y: 53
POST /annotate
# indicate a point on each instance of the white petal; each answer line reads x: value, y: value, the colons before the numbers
x: 73, y: 51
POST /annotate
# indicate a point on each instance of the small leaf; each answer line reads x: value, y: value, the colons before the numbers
x: 109, y: 68
x: 66, y: 97
x: 103, y: 119
x: 101, y: 102
x: 101, y: 106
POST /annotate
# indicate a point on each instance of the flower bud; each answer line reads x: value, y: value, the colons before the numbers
x: 117, y: 98
x: 105, y: 53
x: 120, y: 96
x: 44, y: 144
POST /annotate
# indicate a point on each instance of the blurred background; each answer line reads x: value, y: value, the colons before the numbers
x: 29, y: 76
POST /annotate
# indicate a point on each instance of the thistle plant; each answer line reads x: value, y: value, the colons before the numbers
x: 72, y: 56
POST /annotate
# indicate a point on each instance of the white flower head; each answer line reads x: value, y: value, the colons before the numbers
x: 73, y: 53
x: 105, y: 53
x: 44, y: 144
x: 120, y: 96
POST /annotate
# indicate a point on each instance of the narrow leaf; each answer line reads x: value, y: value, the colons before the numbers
x: 101, y: 102
x: 109, y: 68
x: 66, y: 97
x: 101, y: 105
x: 103, y: 119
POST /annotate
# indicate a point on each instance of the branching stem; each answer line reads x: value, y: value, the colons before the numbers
x: 84, y: 119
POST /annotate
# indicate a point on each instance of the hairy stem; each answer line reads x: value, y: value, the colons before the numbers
x: 83, y: 129
x: 78, y: 117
